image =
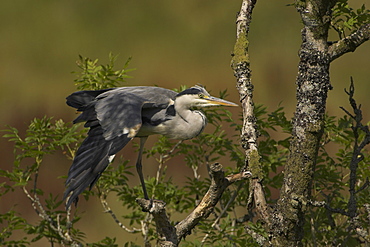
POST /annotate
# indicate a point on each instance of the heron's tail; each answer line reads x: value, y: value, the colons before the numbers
x: 84, y: 101
x: 81, y: 99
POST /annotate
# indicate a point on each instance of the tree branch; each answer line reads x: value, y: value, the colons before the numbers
x: 232, y: 198
x: 261, y: 240
x: 39, y: 209
x: 166, y: 232
x: 325, y: 205
x: 349, y: 43
x: 313, y: 83
x: 218, y: 185
x: 360, y: 229
x: 241, y: 66
x: 358, y: 145
x: 171, y: 235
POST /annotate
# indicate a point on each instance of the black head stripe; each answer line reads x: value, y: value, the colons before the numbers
x: 193, y: 90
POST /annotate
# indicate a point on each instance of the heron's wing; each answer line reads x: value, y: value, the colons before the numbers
x: 91, y: 159
x: 114, y: 119
x: 119, y: 113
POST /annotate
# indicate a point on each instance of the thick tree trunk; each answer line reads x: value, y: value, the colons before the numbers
x: 313, y: 83
x: 285, y: 222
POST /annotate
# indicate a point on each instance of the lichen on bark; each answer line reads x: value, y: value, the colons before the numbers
x: 313, y: 84
x: 240, y: 54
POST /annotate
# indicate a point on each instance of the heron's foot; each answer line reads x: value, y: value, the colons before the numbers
x: 150, y: 205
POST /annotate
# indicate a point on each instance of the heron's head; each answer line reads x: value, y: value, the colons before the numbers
x: 197, y: 96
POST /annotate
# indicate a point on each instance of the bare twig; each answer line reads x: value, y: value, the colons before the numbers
x: 364, y: 186
x: 69, y: 223
x: 360, y: 141
x: 162, y: 159
x: 36, y: 177
x: 325, y: 205
x: 357, y: 157
x: 108, y: 210
x: 358, y: 145
x: 39, y: 209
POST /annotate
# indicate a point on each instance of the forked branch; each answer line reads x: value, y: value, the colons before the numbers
x: 171, y: 235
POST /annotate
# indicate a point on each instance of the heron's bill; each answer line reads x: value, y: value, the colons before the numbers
x: 217, y: 101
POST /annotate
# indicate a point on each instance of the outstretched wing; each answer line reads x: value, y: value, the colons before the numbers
x: 114, y: 118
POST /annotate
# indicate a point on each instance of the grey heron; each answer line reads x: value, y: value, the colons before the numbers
x: 117, y: 115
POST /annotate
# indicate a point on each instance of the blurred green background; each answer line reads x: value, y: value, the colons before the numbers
x: 172, y: 43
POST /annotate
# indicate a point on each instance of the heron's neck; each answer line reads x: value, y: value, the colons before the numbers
x: 192, y: 121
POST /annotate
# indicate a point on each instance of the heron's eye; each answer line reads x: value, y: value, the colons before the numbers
x: 201, y: 95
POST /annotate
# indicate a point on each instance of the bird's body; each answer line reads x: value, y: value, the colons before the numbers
x: 115, y: 116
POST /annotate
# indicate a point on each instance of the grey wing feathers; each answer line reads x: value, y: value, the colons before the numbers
x: 81, y: 99
x: 119, y: 113
x: 91, y: 159
x: 114, y: 117
x: 84, y: 101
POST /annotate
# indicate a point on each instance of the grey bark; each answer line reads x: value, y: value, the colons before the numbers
x: 285, y: 223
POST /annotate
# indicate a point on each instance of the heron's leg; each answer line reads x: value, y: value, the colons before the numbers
x: 139, y: 166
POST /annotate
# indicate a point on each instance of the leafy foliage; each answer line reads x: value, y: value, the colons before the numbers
x: 345, y: 18
x: 44, y: 137
x: 229, y: 223
x: 96, y: 77
x: 334, y: 223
